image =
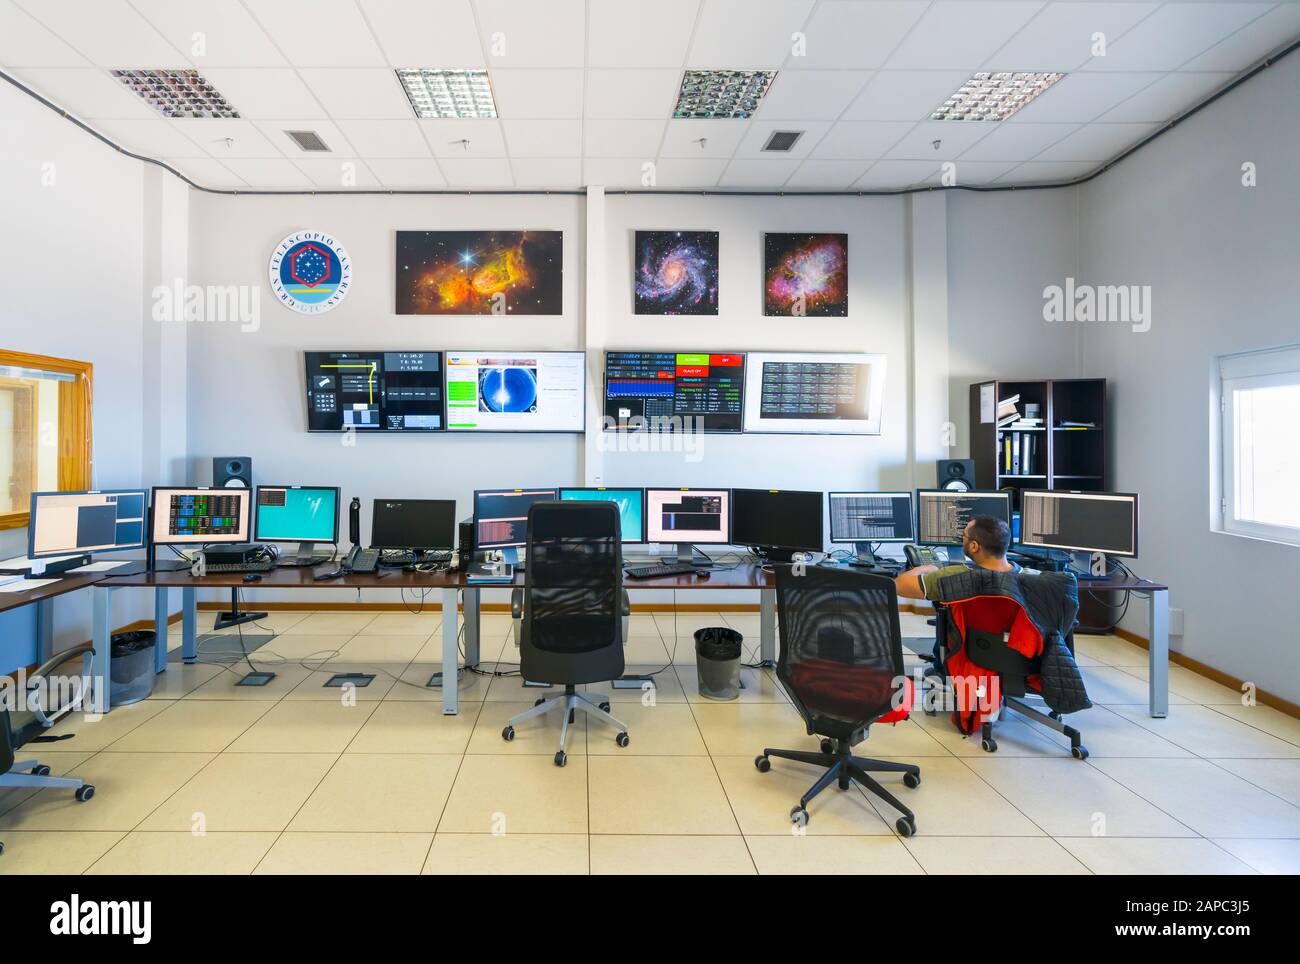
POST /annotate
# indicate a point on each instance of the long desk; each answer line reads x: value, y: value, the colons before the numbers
x: 1157, y: 597
x: 42, y: 597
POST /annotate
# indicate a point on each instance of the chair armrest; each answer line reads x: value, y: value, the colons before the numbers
x: 517, y: 602
x: 36, y: 680
x: 627, y: 603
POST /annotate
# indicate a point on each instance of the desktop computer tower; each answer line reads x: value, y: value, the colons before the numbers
x: 465, y: 544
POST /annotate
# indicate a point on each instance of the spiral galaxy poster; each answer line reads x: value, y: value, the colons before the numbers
x: 480, y: 272
x: 676, y: 273
x: 806, y: 274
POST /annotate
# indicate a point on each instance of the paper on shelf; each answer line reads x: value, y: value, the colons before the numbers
x: 23, y: 585
x: 101, y: 566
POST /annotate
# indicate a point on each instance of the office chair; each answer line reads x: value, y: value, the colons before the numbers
x: 24, y: 724
x: 571, y: 631
x: 1011, y: 649
x: 841, y: 662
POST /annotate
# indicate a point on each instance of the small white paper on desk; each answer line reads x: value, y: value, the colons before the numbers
x: 23, y: 585
x: 101, y: 566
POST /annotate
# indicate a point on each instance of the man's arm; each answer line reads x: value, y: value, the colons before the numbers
x: 909, y: 583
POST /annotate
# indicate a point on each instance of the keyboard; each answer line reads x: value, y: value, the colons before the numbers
x: 260, y: 565
x: 650, y: 572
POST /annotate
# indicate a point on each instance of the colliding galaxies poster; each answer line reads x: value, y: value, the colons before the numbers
x: 806, y: 274
x: 676, y: 273
x: 480, y: 272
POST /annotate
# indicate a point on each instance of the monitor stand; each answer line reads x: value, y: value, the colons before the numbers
x: 233, y: 616
x: 685, y: 555
x: 306, y: 554
x: 863, y: 556
x: 1082, y: 564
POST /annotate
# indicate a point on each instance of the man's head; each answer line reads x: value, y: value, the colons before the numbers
x: 986, y: 539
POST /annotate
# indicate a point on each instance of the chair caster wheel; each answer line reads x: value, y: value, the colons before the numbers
x: 799, y: 817
x: 85, y: 793
x: 508, y: 734
x: 911, y: 780
x: 989, y: 746
x: 560, y: 758
x: 762, y: 764
x: 2, y: 849
x: 1079, y: 752
x: 828, y: 746
x: 605, y: 706
x: 40, y: 771
x: 622, y: 739
x: 844, y: 784
x: 906, y: 826
x: 539, y: 701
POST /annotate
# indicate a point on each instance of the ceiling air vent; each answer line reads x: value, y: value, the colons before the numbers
x: 308, y: 140
x: 782, y: 140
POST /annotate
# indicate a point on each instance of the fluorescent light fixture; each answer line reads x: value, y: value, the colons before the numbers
x: 990, y: 96
x: 448, y: 93
x: 722, y: 93
x: 176, y: 93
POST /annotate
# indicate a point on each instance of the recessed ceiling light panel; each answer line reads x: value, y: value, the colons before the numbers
x: 176, y: 93
x: 989, y: 96
x: 722, y: 93
x: 448, y: 93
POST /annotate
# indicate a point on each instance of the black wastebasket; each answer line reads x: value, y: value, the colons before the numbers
x: 131, y: 667
x: 717, y: 662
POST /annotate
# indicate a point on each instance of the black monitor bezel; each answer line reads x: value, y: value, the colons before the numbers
x: 1078, y: 492
x: 146, y: 522
x: 218, y: 489
x: 911, y: 506
x: 999, y: 493
x: 559, y: 494
x: 691, y: 488
x: 381, y: 430
x: 504, y: 491
x: 257, y: 515
x: 821, y: 520
x: 374, y: 510
x: 604, y: 387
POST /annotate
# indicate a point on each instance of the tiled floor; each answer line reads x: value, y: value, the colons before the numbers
x: 206, y: 777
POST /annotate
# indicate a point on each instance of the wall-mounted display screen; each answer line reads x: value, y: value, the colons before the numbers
x: 375, y: 391
x: 812, y: 393
x: 516, y: 391
x: 661, y: 390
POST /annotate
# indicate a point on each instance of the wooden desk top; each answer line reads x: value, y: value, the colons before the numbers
x: 1119, y: 582
x: 60, y: 585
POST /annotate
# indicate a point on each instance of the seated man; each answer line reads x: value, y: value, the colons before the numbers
x: 985, y: 540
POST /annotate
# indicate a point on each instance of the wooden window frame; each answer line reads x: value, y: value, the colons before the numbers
x: 75, y: 399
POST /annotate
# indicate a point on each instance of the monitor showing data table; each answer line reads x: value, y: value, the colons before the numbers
x: 674, y: 391
x: 942, y: 514
x: 871, y: 517
x: 814, y: 393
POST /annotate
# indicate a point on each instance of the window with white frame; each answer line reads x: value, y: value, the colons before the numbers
x: 1260, y: 483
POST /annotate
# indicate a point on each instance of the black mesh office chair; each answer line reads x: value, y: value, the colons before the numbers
x: 44, y: 704
x: 571, y: 631
x: 841, y: 662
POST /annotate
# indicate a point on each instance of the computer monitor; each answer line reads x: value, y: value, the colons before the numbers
x: 420, y: 525
x: 942, y: 514
x: 688, y: 517
x: 630, y: 502
x: 814, y: 393
x: 1080, y: 521
x: 674, y: 391
x: 305, y: 514
x: 501, y: 518
x: 198, y: 515
x: 375, y: 391
x: 776, y: 519
x: 862, y: 518
x: 98, y: 520
x: 516, y: 391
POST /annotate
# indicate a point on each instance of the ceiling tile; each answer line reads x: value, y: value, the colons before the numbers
x: 337, y: 173
x: 26, y: 43
x: 327, y: 33
x: 849, y: 33
x: 407, y: 173
x: 550, y: 173
x: 274, y: 131
x: 212, y: 133
x: 632, y: 93
x: 109, y: 32
x: 544, y: 138
x: 1035, y: 172
x: 537, y: 93
x: 1096, y: 142
x: 150, y: 138
x: 622, y: 138
x: 205, y: 172
x: 894, y: 175
x: 811, y: 94
x: 1060, y: 38
x: 751, y: 145
x: 1167, y: 97
x: 721, y: 137
x: 911, y: 95
x: 446, y: 134
x: 726, y: 38
x: 212, y: 33
x: 861, y: 140
x: 827, y: 175
x: 625, y: 33
x: 954, y: 138
x: 618, y: 172
x: 525, y: 33
x: 487, y: 172
x: 765, y: 174
x: 374, y: 94
x: 1081, y: 97
x: 1015, y: 142
x: 264, y: 93
x: 958, y: 34
x: 87, y: 92
x: 1253, y: 42
x: 385, y: 138
x: 268, y: 173
x: 1174, y: 34
x: 416, y: 33
x: 699, y: 173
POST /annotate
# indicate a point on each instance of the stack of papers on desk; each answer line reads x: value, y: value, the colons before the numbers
x: 23, y: 585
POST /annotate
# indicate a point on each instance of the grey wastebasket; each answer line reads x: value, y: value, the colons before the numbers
x: 131, y: 667
x: 717, y: 662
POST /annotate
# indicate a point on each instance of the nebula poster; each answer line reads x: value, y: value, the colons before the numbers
x: 480, y: 272
x: 676, y: 273
x: 806, y: 274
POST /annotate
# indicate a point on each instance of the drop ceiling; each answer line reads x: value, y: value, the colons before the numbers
x: 585, y: 89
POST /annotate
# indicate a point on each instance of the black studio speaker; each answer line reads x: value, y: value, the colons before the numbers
x: 232, y: 472
x: 956, y: 475
x: 354, y: 521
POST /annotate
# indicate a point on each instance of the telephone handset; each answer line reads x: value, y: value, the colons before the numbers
x: 921, y: 556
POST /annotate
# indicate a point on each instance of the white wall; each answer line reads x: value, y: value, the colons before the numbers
x: 1221, y: 259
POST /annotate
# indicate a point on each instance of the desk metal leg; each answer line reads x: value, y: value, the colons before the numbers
x: 160, y: 630
x: 101, y: 616
x: 1158, y: 652
x: 471, y: 617
x: 767, y: 626
x: 450, y: 654
x: 44, y: 630
x: 189, y: 625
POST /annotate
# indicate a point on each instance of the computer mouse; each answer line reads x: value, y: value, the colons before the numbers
x: 702, y: 574
x: 252, y: 577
